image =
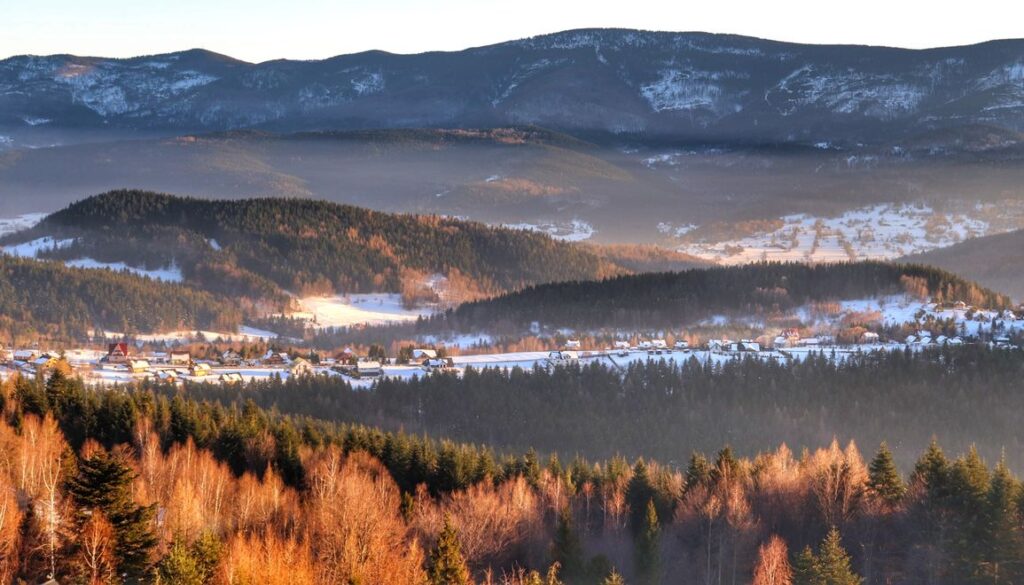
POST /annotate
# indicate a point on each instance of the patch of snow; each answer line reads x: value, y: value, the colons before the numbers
x: 368, y: 83
x: 575, y: 230
x: 169, y: 274
x: 359, y: 309
x: 33, y: 248
x: 215, y: 245
x: 36, y: 121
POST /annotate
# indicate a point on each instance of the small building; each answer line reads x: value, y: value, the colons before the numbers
x: 682, y: 345
x: 199, y: 369
x: 138, y: 366
x: 231, y: 378
x: 621, y: 345
x: 44, y: 362
x: 230, y: 358
x: 556, y: 358
x: 25, y: 355
x: 869, y: 337
x: 435, y: 364
x: 910, y: 340
x: 748, y: 345
x: 179, y: 358
x: 301, y: 367
x: 718, y: 344
x: 424, y: 353
x: 369, y: 368
x: 572, y: 344
x: 167, y: 376
x: 960, y: 306
x: 809, y: 342
x: 117, y: 353
x: 273, y: 358
x: 659, y: 344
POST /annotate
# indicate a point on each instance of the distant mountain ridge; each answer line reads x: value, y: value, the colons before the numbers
x: 679, y: 86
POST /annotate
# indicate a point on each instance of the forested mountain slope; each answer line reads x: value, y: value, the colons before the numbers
x: 261, y: 247
x: 993, y: 261
x: 660, y: 299
x: 47, y: 299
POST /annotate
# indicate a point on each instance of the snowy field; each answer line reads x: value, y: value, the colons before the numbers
x: 169, y: 274
x: 369, y: 309
x: 191, y: 335
x: 568, y: 231
x: 875, y: 232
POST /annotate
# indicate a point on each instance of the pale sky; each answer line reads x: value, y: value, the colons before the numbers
x: 259, y: 30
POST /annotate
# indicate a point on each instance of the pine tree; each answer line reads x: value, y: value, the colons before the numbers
x: 832, y: 565
x: 647, y: 546
x: 1003, y: 542
x: 884, y: 479
x: 447, y: 566
x: 104, y: 483
x: 190, y: 564
x: 567, y: 551
x: 805, y: 570
x: 613, y: 578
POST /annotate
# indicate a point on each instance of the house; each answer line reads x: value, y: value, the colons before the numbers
x: 231, y: 378
x: 179, y: 358
x: 955, y: 341
x: 424, y: 354
x: 138, y: 366
x: 301, y: 367
x: 200, y: 369
x: 718, y: 344
x: 1009, y: 315
x: 809, y: 342
x: 960, y: 306
x: 273, y: 358
x: 621, y: 345
x: 659, y: 344
x: 910, y: 340
x: 682, y: 345
x: 117, y: 353
x: 1001, y: 341
x: 230, y: 358
x: 869, y: 337
x: 44, y: 362
x: 572, y: 344
x: 438, y: 364
x: 748, y: 345
x: 369, y: 368
x: 942, y: 340
x: 167, y: 376
x: 25, y: 355
x: 556, y: 358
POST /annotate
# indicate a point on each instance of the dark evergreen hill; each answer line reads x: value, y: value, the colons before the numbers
x: 49, y: 300
x: 996, y: 261
x: 661, y: 299
x: 259, y: 247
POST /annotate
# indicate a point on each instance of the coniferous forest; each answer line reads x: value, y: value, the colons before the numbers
x: 158, y: 484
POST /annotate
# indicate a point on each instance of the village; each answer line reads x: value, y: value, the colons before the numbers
x: 123, y: 362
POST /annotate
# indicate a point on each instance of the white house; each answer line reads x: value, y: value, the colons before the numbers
x: 562, y: 357
x: 424, y: 353
x: 369, y: 368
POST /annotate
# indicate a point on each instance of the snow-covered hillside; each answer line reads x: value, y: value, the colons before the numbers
x: 875, y: 232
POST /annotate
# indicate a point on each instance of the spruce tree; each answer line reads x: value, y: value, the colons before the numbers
x: 447, y: 566
x: 832, y: 566
x: 103, y: 483
x: 613, y: 578
x: 567, y: 551
x: 647, y: 546
x: 884, y: 479
x: 805, y: 570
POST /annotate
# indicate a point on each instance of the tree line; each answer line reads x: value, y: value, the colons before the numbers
x: 128, y: 485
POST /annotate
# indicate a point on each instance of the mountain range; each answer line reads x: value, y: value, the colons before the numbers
x: 660, y: 85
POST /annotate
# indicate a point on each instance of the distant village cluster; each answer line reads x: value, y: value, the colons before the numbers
x: 124, y: 362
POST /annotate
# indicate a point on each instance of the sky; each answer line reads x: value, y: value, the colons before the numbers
x: 260, y: 30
